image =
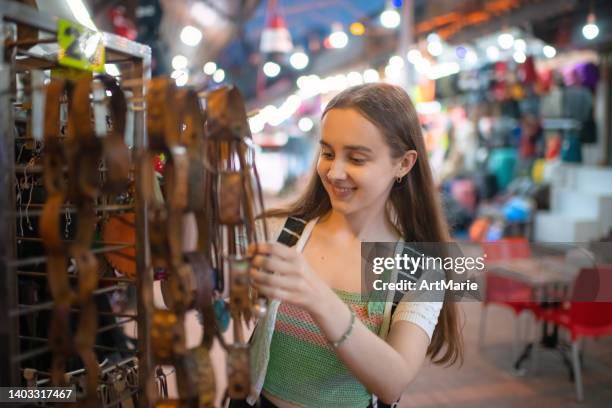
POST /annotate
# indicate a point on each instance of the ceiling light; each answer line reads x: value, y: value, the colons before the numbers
x: 299, y: 60
x: 191, y: 36
x: 590, y: 29
x: 338, y: 38
x: 219, y: 75
x: 179, y: 62
x: 549, y: 51
x: 271, y: 69
x: 209, y: 68
x: 390, y: 18
x: 505, y: 40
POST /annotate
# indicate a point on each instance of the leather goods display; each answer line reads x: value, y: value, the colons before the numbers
x: 190, y: 276
x: 209, y: 171
x: 238, y: 198
x: 82, y: 151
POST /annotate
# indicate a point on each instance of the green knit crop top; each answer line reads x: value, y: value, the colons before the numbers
x: 303, y: 368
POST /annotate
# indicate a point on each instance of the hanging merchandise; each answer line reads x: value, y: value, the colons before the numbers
x: 502, y: 163
x: 571, y: 148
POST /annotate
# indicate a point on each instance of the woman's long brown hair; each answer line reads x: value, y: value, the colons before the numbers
x: 415, y: 201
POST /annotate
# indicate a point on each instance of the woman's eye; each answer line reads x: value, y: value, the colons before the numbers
x: 358, y: 160
x: 327, y: 155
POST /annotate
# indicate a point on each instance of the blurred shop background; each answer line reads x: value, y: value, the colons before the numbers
x: 514, y: 98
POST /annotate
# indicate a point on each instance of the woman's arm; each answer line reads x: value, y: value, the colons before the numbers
x: 385, y: 368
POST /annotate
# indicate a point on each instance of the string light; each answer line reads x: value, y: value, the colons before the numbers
x: 357, y: 28
x: 549, y: 51
x: 338, y: 38
x: 271, y: 69
x: 209, y: 68
x: 191, y: 36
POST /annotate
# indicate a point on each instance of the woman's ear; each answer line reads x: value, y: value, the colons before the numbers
x: 407, y: 161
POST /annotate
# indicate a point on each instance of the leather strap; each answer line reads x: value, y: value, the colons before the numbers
x: 116, y: 152
x: 85, y: 154
x: 60, y: 341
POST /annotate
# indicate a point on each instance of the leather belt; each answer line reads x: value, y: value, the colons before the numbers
x: 60, y: 341
x: 85, y: 152
x: 116, y: 152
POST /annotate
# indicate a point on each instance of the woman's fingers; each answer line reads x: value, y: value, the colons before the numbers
x: 273, y: 280
x: 273, y: 263
x: 272, y: 248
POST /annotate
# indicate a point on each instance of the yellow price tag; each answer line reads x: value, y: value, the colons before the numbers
x: 80, y: 47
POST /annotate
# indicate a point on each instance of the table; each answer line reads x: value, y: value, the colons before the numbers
x: 551, y: 279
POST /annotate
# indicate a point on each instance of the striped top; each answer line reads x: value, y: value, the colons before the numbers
x: 422, y: 313
x: 304, y: 369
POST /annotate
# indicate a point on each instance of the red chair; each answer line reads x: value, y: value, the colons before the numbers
x: 503, y: 290
x: 587, y: 314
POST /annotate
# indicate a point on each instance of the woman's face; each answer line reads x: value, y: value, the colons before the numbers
x: 355, y: 163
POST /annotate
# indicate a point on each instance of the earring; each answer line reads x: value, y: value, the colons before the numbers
x: 398, y: 179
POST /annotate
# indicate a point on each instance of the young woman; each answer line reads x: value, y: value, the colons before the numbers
x: 372, y: 183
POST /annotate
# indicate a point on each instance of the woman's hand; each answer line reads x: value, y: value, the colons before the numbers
x: 280, y: 272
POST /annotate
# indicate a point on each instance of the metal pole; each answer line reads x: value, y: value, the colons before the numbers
x: 406, y: 40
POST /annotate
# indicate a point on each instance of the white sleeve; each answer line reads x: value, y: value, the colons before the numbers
x: 423, y: 314
x: 422, y: 307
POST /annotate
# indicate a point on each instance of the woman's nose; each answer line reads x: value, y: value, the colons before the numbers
x: 337, y: 170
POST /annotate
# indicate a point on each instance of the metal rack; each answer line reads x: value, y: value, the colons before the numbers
x: 134, y: 61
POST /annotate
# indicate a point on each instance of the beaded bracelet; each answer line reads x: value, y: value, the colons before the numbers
x: 347, y: 333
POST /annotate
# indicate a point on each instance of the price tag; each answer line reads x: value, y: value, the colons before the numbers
x: 80, y: 47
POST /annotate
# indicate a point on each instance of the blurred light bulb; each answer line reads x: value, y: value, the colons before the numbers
x: 520, y: 45
x: 390, y: 18
x: 354, y: 78
x: 179, y: 62
x: 505, y: 40
x: 219, y: 75
x: 396, y: 61
x: 435, y: 48
x: 209, y: 68
x: 519, y: 57
x: 370, y: 75
x: 299, y: 60
x: 414, y: 56
x: 590, y: 29
x: 471, y: 57
x: 549, y: 51
x: 357, y: 28
x: 305, y: 124
x: 338, y: 39
x: 493, y: 52
x: 271, y: 69
x: 191, y: 36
